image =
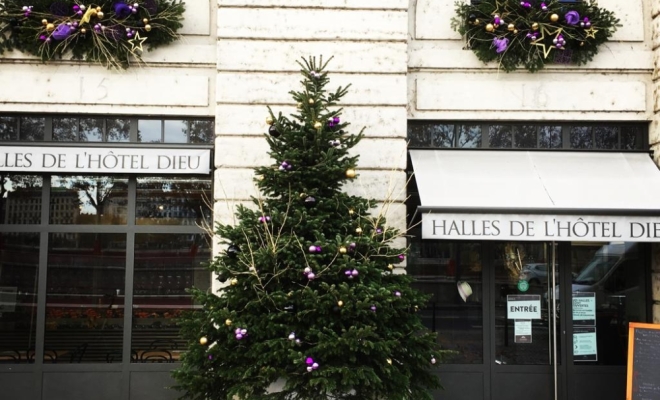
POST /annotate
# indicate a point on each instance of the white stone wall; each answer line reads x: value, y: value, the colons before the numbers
x: 655, y: 143
x: 259, y: 42
x: 178, y: 80
x: 448, y: 82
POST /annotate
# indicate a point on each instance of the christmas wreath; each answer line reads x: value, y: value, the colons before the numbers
x: 113, y: 33
x: 533, y: 33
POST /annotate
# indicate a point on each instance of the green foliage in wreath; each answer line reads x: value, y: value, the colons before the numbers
x: 531, y: 33
x: 112, y: 33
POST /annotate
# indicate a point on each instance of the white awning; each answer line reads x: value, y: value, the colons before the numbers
x: 616, y: 195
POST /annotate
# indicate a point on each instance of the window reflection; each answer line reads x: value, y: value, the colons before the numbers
x: 149, y: 131
x: 500, y: 136
x: 118, y: 130
x: 526, y: 137
x: 607, y: 137
x: 631, y: 138
x: 202, y: 131
x: 439, y: 269
x: 19, y: 264
x: 165, y: 266
x: 469, y: 136
x: 85, y: 297
x: 91, y: 130
x: 173, y: 201
x: 32, y: 128
x: 20, y: 199
x: 419, y: 135
x: 65, y: 129
x: 550, y: 137
x: 176, y: 131
x: 88, y: 200
x: 580, y: 137
x: 8, y: 128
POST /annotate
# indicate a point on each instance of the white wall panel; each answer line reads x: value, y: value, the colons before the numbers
x: 264, y: 55
x: 272, y: 88
x: 197, y: 18
x: 383, y: 121
x: 528, y: 92
x: 292, y: 23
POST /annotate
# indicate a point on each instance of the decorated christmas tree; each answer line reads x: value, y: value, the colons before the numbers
x: 312, y: 307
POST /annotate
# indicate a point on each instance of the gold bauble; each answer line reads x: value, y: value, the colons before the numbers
x: 44, y: 22
x: 50, y: 27
x: 99, y: 14
x: 228, y: 322
x: 233, y: 281
x: 351, y: 211
x: 358, y: 230
x: 98, y: 8
x: 83, y: 31
x: 554, y: 18
x: 350, y: 173
x: 535, y: 26
x: 390, y: 266
x: 389, y: 361
x: 145, y: 20
x: 342, y: 250
x: 310, y: 101
x: 203, y: 340
x: 318, y: 125
x: 581, y: 43
x: 477, y: 21
x: 515, y: 31
x: 340, y: 303
x: 300, y: 105
x: 269, y: 120
x: 490, y: 27
x: 302, y: 195
x: 147, y: 28
x: 511, y: 27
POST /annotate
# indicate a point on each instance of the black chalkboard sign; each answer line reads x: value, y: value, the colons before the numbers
x: 643, y: 362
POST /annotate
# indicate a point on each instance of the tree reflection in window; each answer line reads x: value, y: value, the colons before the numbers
x: 469, y: 136
x: 607, y: 137
x: 118, y: 130
x: 201, y: 131
x: 500, y: 136
x: 173, y: 201
x: 525, y: 137
x: 89, y: 200
x: 8, y: 128
x: 32, y: 128
x: 580, y: 137
x: 550, y: 137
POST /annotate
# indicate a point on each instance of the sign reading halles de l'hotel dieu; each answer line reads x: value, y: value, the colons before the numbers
x: 106, y: 160
x: 541, y: 227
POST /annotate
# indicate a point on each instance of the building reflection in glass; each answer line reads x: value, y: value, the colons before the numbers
x: 165, y: 266
x: 85, y: 297
x: 89, y: 200
x: 173, y: 201
x: 20, y: 199
x: 19, y: 264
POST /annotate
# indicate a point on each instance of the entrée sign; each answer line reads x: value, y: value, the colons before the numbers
x: 541, y: 227
x: 24, y: 159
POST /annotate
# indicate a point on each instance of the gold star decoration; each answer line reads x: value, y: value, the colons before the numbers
x: 591, y: 32
x: 136, y: 43
x: 540, y: 41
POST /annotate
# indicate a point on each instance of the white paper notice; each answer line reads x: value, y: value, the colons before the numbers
x: 522, y: 332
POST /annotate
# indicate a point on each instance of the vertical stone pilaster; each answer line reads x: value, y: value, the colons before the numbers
x: 654, y: 139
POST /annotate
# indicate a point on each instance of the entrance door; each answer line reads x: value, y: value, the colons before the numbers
x: 574, y: 346
x: 526, y: 341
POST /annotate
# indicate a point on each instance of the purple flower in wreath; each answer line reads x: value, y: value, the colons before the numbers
x: 572, y: 18
x: 122, y: 10
x: 500, y: 44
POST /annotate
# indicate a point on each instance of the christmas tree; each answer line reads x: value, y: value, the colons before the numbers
x: 312, y: 308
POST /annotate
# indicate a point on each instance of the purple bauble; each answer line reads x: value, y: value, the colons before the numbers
x: 397, y: 293
x: 373, y: 308
x: 355, y: 272
x: 239, y: 336
x: 210, y: 357
x: 62, y: 32
x: 307, y: 270
x: 309, y: 361
x: 311, y: 276
x: 310, y: 369
x: 315, y: 366
x: 347, y: 273
x: 318, y: 249
x: 401, y: 257
x: 312, y: 249
x: 244, y: 332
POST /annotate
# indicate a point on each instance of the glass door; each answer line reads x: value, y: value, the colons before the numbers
x: 525, y: 325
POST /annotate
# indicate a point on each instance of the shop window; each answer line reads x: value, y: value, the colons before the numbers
x: 175, y: 131
x: 90, y: 200
x: 16, y: 191
x: 32, y: 129
x: 65, y: 129
x: 157, y: 198
x: 586, y: 136
x: 445, y: 270
x: 165, y: 266
x: 118, y: 130
x: 8, y: 128
x: 91, y: 130
x: 19, y: 265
